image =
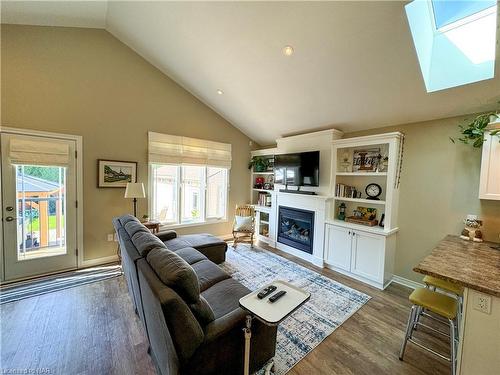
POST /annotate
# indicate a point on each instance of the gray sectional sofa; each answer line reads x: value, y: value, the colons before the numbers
x: 188, y: 305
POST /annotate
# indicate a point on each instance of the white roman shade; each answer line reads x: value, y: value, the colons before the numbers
x: 38, y: 151
x: 172, y: 149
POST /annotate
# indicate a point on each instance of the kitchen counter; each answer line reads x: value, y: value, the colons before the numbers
x: 473, y: 265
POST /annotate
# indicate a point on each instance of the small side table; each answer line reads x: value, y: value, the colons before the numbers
x: 153, y: 226
x: 269, y: 313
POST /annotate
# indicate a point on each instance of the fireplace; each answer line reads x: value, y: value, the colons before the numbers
x: 296, y: 228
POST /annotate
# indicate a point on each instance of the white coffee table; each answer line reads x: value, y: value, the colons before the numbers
x: 269, y: 313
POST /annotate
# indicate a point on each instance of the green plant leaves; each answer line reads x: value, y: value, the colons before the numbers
x: 475, y: 130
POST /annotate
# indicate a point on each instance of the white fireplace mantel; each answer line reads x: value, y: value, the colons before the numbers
x: 314, y: 203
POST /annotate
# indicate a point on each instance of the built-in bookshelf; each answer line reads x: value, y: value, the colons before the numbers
x: 360, y: 162
x: 355, y: 249
x: 262, y: 194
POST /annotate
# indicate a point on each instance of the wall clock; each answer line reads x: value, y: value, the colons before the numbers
x: 373, y: 191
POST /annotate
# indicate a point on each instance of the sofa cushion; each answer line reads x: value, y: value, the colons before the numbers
x: 208, y: 274
x: 166, y: 235
x: 132, y: 227
x: 126, y: 218
x: 224, y: 296
x: 198, y: 241
x: 190, y: 255
x: 175, y: 273
x: 202, y: 311
x: 145, y: 242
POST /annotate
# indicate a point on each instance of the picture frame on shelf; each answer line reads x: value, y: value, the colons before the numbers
x: 115, y: 173
x: 366, y: 160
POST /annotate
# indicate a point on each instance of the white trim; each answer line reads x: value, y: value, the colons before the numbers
x: 79, y: 179
x: 187, y: 225
x: 407, y: 282
x: 367, y: 139
x: 99, y: 261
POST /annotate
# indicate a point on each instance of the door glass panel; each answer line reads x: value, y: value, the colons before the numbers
x: 41, y: 211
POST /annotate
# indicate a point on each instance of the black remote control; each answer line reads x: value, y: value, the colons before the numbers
x: 277, y: 296
x: 266, y: 291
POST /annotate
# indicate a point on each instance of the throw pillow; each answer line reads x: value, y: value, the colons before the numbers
x: 243, y: 223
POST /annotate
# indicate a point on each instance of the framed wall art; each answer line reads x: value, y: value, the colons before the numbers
x: 116, y: 173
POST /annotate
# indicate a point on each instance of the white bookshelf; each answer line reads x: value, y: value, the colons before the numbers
x: 363, y: 252
x: 264, y: 214
x: 366, y: 202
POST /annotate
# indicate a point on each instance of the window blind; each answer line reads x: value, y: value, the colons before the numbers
x: 173, y: 149
x: 38, y: 151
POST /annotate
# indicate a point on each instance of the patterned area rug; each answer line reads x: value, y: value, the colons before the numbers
x: 15, y: 292
x: 331, y: 303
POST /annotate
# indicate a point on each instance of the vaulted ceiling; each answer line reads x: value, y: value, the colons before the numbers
x: 354, y: 65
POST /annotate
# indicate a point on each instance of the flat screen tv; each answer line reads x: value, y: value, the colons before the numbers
x: 301, y: 169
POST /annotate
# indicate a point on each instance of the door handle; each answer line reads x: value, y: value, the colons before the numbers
x: 9, y: 208
x: 10, y: 218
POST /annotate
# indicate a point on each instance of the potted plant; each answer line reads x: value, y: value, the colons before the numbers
x: 258, y: 163
x: 474, y: 131
x: 145, y: 218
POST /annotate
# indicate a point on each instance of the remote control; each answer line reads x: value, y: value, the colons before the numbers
x: 266, y: 291
x: 277, y: 296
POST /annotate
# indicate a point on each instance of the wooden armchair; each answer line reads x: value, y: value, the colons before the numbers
x: 244, y: 231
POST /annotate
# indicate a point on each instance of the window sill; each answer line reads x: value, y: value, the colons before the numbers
x: 187, y: 225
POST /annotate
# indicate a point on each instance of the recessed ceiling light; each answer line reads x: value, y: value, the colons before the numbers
x: 220, y: 92
x: 288, y: 50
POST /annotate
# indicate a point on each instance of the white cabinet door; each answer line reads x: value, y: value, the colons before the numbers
x: 338, y: 247
x: 489, y: 185
x: 368, y: 256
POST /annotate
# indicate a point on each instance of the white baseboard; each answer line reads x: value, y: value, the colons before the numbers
x: 406, y: 282
x: 99, y: 261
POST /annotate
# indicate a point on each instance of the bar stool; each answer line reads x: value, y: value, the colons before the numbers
x: 435, y: 283
x: 441, y: 305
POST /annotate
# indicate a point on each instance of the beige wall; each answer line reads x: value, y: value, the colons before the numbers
x: 439, y: 187
x: 86, y: 82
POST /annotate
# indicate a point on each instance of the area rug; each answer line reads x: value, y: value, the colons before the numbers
x: 15, y: 292
x: 331, y: 303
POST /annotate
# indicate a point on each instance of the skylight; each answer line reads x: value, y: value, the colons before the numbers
x: 449, y: 11
x: 454, y: 40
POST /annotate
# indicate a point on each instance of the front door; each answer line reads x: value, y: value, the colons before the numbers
x: 39, y: 214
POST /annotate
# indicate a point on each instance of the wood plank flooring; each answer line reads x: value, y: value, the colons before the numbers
x: 93, y: 329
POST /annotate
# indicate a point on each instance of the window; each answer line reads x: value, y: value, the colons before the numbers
x: 447, y: 12
x: 188, y: 179
x: 182, y: 194
x: 454, y: 40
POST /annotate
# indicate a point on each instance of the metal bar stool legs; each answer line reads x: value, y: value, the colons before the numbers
x: 445, y: 307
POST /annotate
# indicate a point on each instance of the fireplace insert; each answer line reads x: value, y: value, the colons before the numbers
x: 296, y: 228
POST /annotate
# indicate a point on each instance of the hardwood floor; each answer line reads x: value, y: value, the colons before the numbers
x: 369, y: 341
x: 93, y: 329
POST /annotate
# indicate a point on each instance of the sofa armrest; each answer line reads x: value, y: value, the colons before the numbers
x: 166, y: 235
x: 224, y: 324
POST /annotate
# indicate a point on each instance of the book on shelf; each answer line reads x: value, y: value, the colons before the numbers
x: 264, y: 199
x: 346, y: 191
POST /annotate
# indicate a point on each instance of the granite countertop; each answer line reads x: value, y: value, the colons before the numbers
x: 474, y: 265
